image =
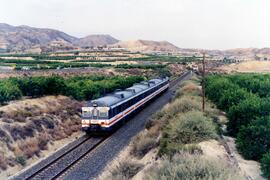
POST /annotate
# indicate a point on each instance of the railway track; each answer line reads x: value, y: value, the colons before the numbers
x: 65, y: 162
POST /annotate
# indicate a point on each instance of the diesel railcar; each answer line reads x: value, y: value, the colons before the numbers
x: 105, y: 113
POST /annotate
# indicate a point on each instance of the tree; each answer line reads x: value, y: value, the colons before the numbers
x: 253, y: 140
x: 242, y: 113
x: 9, y: 91
x: 232, y: 97
x: 216, y: 86
x: 265, y: 165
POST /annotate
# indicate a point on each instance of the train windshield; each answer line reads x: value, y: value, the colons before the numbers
x: 86, y: 113
x: 103, y: 114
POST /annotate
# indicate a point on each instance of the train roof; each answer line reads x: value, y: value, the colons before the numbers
x: 118, y: 96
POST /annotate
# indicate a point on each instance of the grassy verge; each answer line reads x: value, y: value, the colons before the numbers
x: 174, y: 134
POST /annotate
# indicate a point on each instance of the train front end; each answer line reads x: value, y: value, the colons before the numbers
x: 94, y: 118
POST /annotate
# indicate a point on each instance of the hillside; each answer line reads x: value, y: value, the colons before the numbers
x: 31, y: 39
x: 96, y: 40
x: 23, y: 38
x: 147, y: 46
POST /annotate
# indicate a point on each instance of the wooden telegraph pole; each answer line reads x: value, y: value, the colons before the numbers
x: 203, y: 83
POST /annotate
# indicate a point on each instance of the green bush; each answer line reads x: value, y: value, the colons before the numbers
x: 190, y: 127
x: 253, y: 140
x: 21, y: 160
x: 265, y: 165
x: 182, y: 105
x: 187, y: 128
x: 183, y: 167
x: 9, y: 91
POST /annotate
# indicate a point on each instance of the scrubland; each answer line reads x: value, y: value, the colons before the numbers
x: 29, y: 127
x: 179, y: 142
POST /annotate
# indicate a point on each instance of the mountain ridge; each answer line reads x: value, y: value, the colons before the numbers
x: 24, y: 38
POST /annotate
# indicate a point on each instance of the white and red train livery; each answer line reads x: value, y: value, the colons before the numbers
x: 104, y: 113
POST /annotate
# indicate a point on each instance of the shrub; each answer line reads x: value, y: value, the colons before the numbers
x: 183, y: 167
x: 21, y: 160
x: 190, y: 127
x: 43, y: 140
x: 142, y: 144
x: 170, y: 149
x: 265, y: 165
x: 190, y: 89
x: 125, y: 170
x: 29, y: 147
x: 253, y: 140
x: 187, y: 128
x: 4, y: 137
x: 182, y: 105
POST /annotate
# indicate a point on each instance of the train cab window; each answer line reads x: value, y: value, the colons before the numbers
x: 103, y: 114
x: 86, y: 113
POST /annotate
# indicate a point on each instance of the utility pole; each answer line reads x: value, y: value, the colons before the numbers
x: 203, y: 82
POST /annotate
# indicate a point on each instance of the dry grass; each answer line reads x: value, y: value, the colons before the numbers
x: 3, y: 161
x: 28, y: 126
x: 29, y: 147
x: 142, y: 144
x: 125, y: 170
x: 193, y: 167
x: 189, y: 88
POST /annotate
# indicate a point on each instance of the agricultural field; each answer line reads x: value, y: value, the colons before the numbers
x: 245, y: 99
x: 86, y: 59
x: 92, y: 63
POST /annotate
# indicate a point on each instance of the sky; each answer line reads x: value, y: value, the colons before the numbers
x: 208, y: 24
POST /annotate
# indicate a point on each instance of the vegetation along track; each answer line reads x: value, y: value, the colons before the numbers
x: 67, y: 160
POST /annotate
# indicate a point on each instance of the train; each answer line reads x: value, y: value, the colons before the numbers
x: 108, y: 112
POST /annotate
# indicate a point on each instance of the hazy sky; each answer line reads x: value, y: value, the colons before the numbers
x: 212, y: 24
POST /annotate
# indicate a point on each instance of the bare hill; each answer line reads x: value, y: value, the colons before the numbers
x: 22, y: 38
x: 26, y: 38
x: 147, y: 46
x: 96, y: 40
